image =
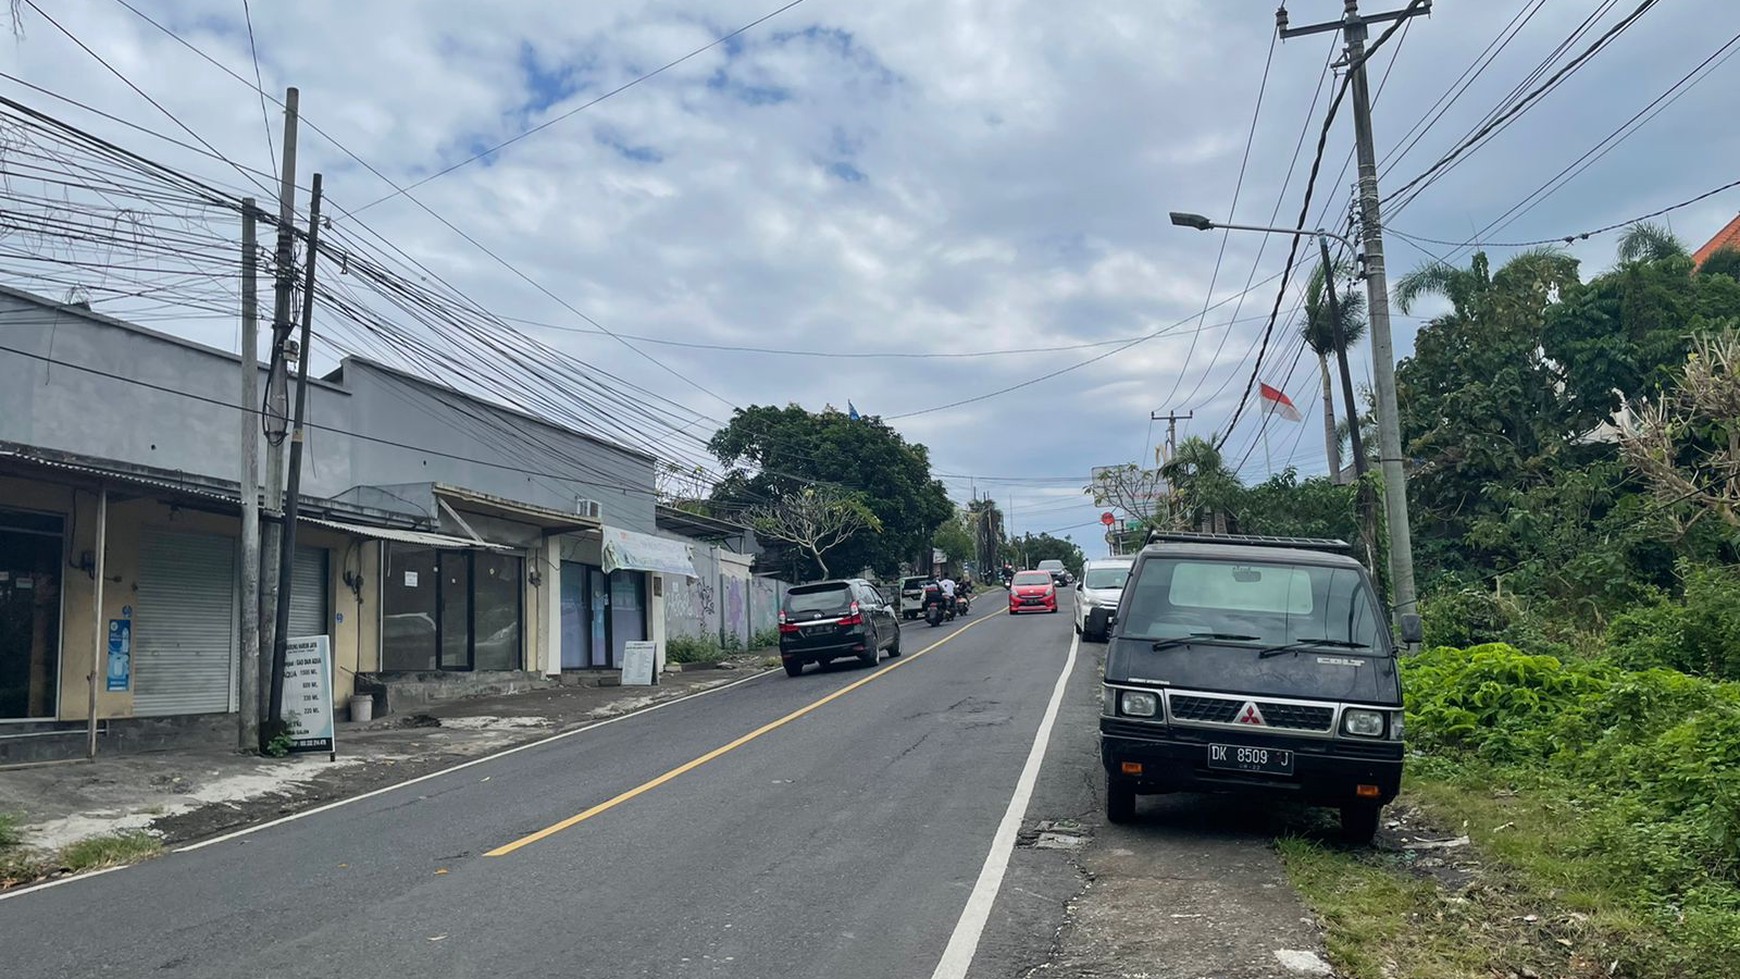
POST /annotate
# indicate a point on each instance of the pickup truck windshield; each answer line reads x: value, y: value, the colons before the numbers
x: 1274, y: 604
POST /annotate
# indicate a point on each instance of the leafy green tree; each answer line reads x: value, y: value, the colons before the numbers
x: 815, y: 519
x: 1318, y: 332
x: 770, y: 453
x: 1479, y: 399
x: 1624, y: 333
x: 1723, y: 261
x: 1286, y: 506
x: 956, y: 540
x: 1028, y: 550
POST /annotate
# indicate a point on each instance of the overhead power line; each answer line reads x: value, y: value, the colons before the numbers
x: 1527, y: 101
x: 1571, y: 238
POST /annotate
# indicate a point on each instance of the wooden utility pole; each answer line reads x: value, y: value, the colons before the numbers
x: 248, y: 732
x: 276, y: 417
x: 293, y: 495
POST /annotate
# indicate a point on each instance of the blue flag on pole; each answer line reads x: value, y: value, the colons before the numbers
x: 851, y: 412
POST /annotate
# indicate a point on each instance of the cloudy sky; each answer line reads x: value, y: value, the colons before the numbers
x: 982, y: 182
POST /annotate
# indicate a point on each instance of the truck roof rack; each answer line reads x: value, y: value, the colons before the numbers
x: 1250, y: 540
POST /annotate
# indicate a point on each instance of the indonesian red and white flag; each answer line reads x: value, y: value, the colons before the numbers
x: 1276, y: 402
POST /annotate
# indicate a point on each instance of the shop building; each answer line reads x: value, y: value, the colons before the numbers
x: 443, y: 534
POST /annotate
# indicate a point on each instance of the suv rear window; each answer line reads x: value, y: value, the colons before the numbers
x: 819, y: 598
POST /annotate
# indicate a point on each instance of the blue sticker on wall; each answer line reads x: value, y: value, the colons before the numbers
x: 120, y: 654
x: 339, y: 618
x: 126, y: 611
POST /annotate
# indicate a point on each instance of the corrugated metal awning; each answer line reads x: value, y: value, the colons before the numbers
x: 402, y: 536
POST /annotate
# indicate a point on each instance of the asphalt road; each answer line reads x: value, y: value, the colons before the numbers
x: 761, y: 831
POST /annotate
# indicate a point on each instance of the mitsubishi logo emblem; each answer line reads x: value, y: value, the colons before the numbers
x: 1251, y: 715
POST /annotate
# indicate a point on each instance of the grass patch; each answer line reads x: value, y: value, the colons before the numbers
x: 109, y: 851
x: 21, y: 865
x: 1381, y: 920
x: 1555, y: 892
x: 688, y: 649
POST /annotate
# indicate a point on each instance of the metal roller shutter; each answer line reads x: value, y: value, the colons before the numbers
x: 308, y: 593
x: 184, y: 625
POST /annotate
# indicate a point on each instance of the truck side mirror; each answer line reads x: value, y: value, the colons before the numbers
x: 1413, y: 632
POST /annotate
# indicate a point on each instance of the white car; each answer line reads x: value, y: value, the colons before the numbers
x: 912, y: 596
x: 1101, y: 585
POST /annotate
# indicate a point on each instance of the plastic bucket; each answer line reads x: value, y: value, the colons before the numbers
x: 362, y: 708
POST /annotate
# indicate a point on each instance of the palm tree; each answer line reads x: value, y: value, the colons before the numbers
x: 1202, y: 484
x: 1368, y: 432
x: 1646, y: 242
x: 1529, y: 279
x: 1319, y: 333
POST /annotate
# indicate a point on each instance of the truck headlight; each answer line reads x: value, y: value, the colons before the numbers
x: 1140, y: 703
x: 1363, y: 723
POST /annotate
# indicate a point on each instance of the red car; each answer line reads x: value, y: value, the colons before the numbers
x: 1032, y: 591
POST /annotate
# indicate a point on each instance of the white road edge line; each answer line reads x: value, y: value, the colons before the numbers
x: 328, y: 807
x: 963, y: 944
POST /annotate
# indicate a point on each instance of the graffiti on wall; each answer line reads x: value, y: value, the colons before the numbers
x: 734, y: 610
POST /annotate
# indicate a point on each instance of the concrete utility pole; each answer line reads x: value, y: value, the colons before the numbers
x: 293, y: 496
x: 277, y: 418
x: 1171, y: 418
x: 248, y: 733
x: 1354, y: 29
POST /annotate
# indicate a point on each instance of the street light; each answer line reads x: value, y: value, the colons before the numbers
x: 1395, y: 488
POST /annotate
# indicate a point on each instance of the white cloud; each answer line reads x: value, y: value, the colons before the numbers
x: 906, y: 176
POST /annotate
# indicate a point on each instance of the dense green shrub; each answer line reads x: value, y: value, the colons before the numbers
x: 1652, y: 758
x: 1493, y: 700
x: 1472, y: 615
x: 1698, y: 634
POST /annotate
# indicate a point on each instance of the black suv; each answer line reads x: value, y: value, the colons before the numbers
x: 829, y: 620
x: 1252, y: 664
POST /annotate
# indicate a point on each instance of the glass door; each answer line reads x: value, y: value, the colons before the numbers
x: 576, y: 623
x: 627, y: 611
x: 30, y: 562
x: 598, y: 611
x: 455, y: 615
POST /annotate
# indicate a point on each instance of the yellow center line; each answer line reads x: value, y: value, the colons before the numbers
x: 688, y: 766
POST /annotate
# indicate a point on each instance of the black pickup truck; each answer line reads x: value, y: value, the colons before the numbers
x: 1252, y: 664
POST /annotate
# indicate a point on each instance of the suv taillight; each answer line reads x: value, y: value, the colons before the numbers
x: 853, y: 616
x: 784, y: 625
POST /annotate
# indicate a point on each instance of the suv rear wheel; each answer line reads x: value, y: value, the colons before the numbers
x: 894, y: 647
x: 793, y: 667
x: 1120, y: 801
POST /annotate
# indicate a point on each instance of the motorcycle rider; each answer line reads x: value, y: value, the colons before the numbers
x: 933, y: 593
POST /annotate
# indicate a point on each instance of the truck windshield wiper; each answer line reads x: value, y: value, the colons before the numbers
x: 1160, y: 644
x: 1298, y: 644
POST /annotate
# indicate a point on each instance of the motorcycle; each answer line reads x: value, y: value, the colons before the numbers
x: 963, y: 603
x: 934, y: 610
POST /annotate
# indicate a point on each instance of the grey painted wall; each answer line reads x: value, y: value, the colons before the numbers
x: 502, y: 452
x: 125, y: 393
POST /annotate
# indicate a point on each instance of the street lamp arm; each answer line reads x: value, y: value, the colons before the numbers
x: 1201, y: 223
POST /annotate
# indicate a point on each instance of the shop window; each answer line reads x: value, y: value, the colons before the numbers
x: 451, y: 610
